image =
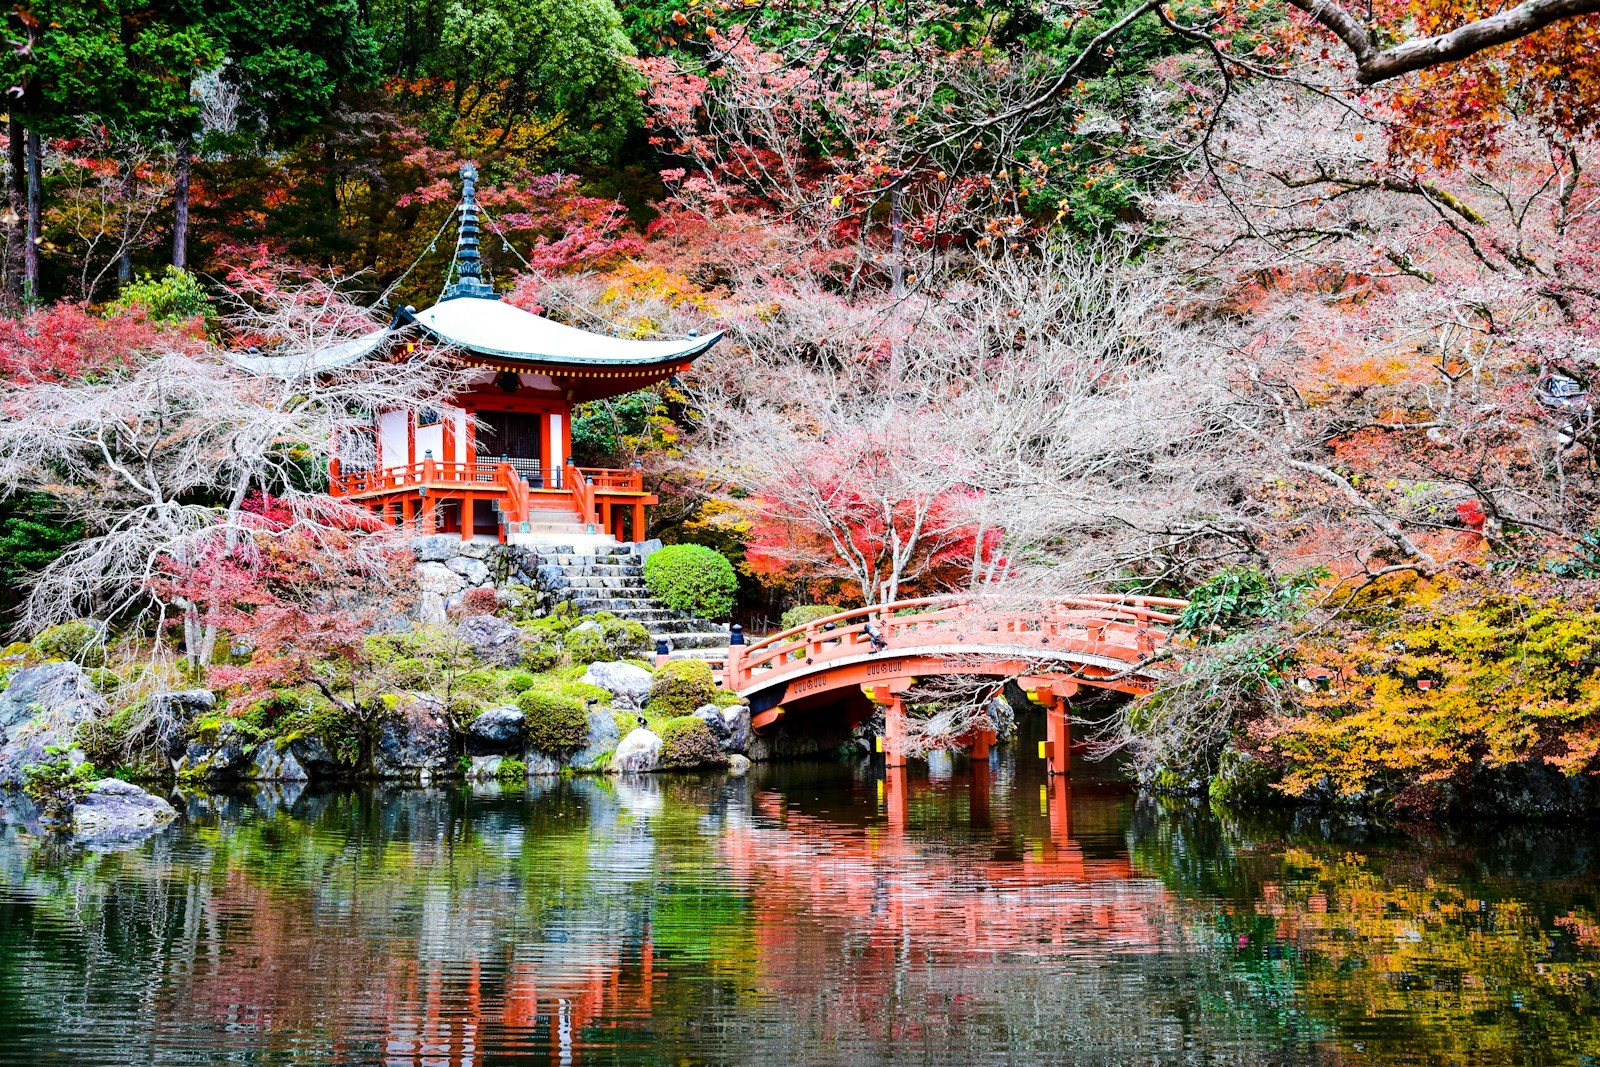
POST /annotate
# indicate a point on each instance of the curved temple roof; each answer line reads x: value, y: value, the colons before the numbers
x: 488, y: 327
x: 471, y: 318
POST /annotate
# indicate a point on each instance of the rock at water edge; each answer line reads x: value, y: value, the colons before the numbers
x: 498, y: 730
x: 114, y: 812
x: 602, y: 741
x: 638, y: 753
x: 738, y: 765
x: 42, y: 707
x: 414, y: 742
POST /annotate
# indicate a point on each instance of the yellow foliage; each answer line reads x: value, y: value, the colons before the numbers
x: 1460, y: 677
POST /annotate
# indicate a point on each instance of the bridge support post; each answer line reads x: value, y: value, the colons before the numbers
x: 896, y: 798
x: 1058, y: 731
x: 894, y: 732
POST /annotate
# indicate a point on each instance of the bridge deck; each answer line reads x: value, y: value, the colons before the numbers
x: 1105, y: 641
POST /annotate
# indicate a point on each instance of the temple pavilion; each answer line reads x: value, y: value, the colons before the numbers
x: 496, y: 459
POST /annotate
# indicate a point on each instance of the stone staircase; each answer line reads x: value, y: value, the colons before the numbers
x: 610, y: 577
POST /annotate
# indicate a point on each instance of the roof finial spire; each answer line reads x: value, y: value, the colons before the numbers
x: 468, y: 264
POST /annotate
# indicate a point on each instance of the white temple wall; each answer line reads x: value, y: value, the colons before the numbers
x: 431, y: 438
x: 392, y: 438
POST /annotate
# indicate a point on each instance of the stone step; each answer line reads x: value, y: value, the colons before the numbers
x: 593, y: 559
x: 715, y: 656
x: 708, y: 639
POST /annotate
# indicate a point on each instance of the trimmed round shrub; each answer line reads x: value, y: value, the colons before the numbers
x: 72, y: 640
x: 687, y: 743
x: 679, y: 687
x: 553, y: 722
x: 692, y: 578
x: 799, y: 616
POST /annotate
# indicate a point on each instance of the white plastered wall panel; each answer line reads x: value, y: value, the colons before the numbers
x: 392, y: 437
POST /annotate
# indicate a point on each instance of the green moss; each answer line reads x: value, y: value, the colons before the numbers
x: 512, y: 770
x: 1243, y: 780
x: 552, y: 722
x: 687, y: 743
x: 680, y: 687
x: 587, y: 646
x: 314, y: 715
x: 625, y: 638
x: 520, y: 681
x: 80, y: 641
x: 103, y: 680
x: 541, y: 648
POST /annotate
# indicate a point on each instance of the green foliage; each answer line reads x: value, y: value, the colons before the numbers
x: 679, y: 687
x: 1584, y: 562
x: 31, y: 536
x: 605, y: 432
x: 806, y: 613
x: 176, y: 296
x: 540, y: 648
x: 692, y: 578
x: 548, y: 80
x: 553, y: 722
x: 1242, y: 595
x: 511, y: 770
x: 306, y: 713
x: 80, y: 641
x: 520, y: 682
x: 687, y: 743
x: 55, y: 784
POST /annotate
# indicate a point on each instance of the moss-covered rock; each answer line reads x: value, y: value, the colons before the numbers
x: 553, y: 723
x: 541, y: 647
x: 687, y: 743
x: 625, y: 638
x: 520, y: 681
x: 680, y: 687
x: 80, y: 641
x: 586, y: 644
x: 1243, y: 780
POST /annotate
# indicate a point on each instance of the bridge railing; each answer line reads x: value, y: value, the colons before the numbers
x: 1124, y: 627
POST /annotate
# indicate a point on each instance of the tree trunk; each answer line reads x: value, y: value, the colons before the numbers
x: 180, y: 204
x: 30, y: 244
x: 17, y: 200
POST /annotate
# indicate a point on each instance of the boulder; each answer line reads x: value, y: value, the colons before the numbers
x: 314, y: 757
x: 625, y: 681
x: 711, y: 715
x: 272, y: 764
x: 637, y: 753
x: 541, y: 764
x: 492, y: 639
x: 475, y: 571
x: 218, y: 755
x: 171, y: 714
x: 603, y: 737
x: 738, y: 765
x: 430, y: 610
x: 484, y: 768
x: 437, y: 578
x: 736, y: 720
x: 498, y: 730
x: 414, y: 742
x: 42, y: 707
x: 475, y: 549
x: 436, y: 548
x: 116, y: 812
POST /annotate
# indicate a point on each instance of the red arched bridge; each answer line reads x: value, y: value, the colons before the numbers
x: 1103, y: 641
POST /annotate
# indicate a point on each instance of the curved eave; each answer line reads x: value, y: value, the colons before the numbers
x: 538, y: 340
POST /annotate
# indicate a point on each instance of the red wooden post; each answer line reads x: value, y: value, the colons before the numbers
x: 980, y: 746
x: 638, y: 521
x: 468, y: 523
x: 429, y: 522
x: 894, y: 732
x: 1059, y: 730
x: 978, y: 799
x: 408, y: 512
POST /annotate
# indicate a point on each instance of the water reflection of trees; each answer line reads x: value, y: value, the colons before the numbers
x: 745, y: 922
x: 1431, y: 947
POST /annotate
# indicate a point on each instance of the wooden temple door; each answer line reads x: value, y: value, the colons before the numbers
x: 515, y: 435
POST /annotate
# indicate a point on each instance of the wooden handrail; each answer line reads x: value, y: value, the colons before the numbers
x: 582, y: 494
x: 1104, y: 620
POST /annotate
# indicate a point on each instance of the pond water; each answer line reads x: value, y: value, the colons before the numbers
x: 807, y: 914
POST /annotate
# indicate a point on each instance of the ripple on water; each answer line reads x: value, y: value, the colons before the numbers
x: 804, y: 914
